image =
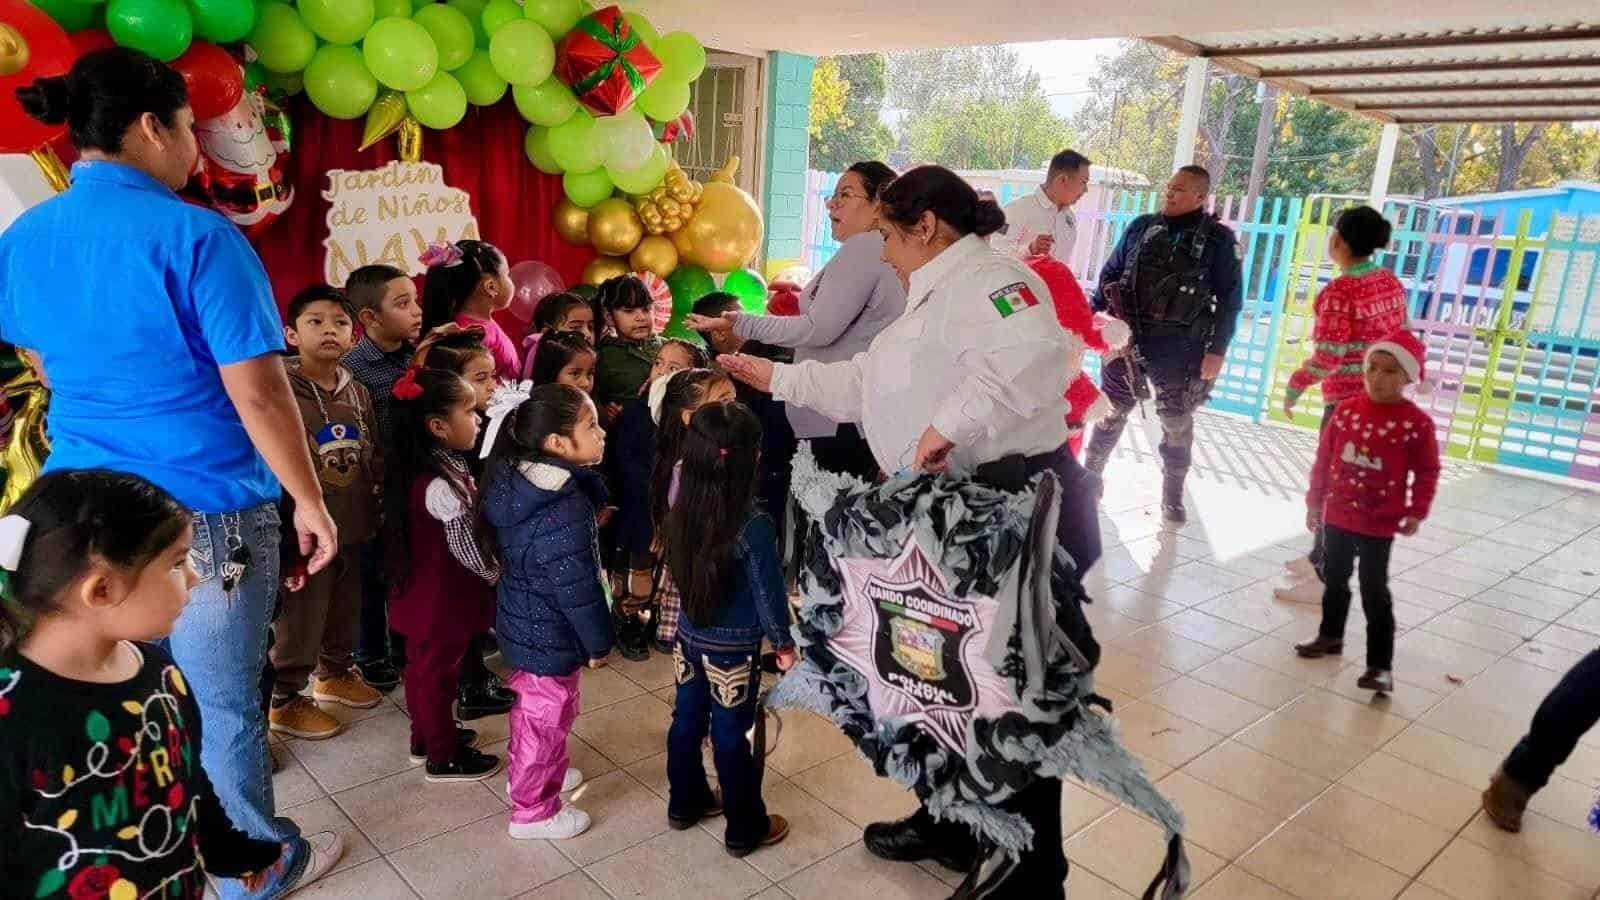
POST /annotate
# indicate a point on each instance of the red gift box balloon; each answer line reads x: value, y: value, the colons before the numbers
x: 606, y: 62
x: 32, y: 39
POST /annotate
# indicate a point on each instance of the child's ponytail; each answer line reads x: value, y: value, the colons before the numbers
x: 420, y: 395
x: 64, y: 521
x: 454, y: 271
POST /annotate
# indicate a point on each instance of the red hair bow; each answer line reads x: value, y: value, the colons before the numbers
x: 407, y: 388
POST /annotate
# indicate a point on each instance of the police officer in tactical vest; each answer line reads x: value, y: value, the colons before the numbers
x: 1174, y: 278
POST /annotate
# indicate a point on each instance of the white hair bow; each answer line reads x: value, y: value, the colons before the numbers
x: 502, y: 403
x: 13, y: 534
x: 658, y: 395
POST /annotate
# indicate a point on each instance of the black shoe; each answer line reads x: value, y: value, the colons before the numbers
x: 904, y: 841
x: 632, y: 642
x: 662, y: 647
x: 1172, y: 499
x: 769, y: 663
x: 1320, y: 646
x: 380, y: 673
x: 465, y: 738
x: 1380, y: 680
x: 475, y: 701
x: 467, y: 765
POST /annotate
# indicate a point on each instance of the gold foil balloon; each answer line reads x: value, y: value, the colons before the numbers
x: 614, y: 228
x: 725, y: 231
x: 668, y: 208
x: 603, y: 269
x: 654, y: 254
x: 14, y: 51
x: 680, y: 240
x: 384, y: 118
x: 29, y: 444
x: 571, y: 222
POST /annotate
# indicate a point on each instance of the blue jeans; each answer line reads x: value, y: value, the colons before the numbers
x: 717, y: 692
x: 220, y: 643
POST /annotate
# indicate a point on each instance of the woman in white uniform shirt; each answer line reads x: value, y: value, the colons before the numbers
x: 845, y: 306
x: 970, y: 379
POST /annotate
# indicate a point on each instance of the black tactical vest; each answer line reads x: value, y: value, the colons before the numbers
x: 1167, y: 284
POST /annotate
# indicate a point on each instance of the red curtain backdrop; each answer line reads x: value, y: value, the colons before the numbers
x: 483, y: 156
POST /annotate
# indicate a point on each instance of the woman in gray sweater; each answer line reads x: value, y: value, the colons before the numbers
x: 855, y: 296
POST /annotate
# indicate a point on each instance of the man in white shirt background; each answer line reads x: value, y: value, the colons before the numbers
x: 1042, y: 222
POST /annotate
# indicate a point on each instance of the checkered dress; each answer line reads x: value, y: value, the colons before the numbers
x: 669, y: 607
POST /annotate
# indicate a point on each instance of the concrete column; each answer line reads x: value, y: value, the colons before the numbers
x: 1384, y: 166
x: 1194, y: 97
x: 788, y: 144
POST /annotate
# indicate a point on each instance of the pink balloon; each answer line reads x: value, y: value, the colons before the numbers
x: 534, y: 281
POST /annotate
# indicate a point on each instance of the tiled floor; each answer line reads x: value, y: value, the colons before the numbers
x: 1295, y: 783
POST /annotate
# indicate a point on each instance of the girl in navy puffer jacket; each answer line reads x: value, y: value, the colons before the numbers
x: 552, y: 617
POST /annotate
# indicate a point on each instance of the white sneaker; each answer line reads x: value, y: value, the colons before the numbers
x: 1300, y: 567
x: 326, y: 850
x: 571, y: 780
x: 1309, y: 591
x: 568, y: 823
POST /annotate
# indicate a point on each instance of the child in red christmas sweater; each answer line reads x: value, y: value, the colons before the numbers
x: 1376, y: 470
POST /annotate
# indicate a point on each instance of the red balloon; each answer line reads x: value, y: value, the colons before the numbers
x: 91, y: 39
x: 49, y: 54
x: 534, y: 281
x: 214, y: 78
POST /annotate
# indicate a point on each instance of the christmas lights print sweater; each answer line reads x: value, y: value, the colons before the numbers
x: 101, y: 790
x: 1376, y: 464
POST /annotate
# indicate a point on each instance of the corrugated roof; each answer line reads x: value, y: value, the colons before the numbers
x: 1524, y: 69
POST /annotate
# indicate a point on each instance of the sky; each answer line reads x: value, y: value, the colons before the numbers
x: 1065, y: 67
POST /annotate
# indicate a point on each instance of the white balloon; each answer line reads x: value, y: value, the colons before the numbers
x: 628, y: 140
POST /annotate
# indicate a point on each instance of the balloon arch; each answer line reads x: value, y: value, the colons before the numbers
x: 604, y: 94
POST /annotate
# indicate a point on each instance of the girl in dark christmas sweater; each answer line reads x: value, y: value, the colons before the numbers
x: 101, y: 789
x: 1376, y: 470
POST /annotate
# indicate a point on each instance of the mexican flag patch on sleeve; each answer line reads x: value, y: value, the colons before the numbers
x: 1013, y: 298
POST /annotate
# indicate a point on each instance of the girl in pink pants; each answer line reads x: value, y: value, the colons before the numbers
x: 551, y: 615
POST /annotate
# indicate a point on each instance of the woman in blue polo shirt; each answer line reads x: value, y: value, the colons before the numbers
x: 156, y: 325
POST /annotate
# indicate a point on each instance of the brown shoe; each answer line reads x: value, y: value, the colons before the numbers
x: 346, y: 689
x: 301, y: 718
x: 710, y: 812
x: 1504, y: 801
x: 777, y: 830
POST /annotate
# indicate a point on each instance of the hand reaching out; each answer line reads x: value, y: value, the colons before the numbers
x: 751, y: 370
x: 1408, y: 525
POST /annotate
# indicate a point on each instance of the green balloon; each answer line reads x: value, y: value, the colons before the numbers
x: 642, y: 27
x: 537, y: 146
x: 483, y: 84
x: 71, y: 15
x: 555, y: 16
x: 522, y: 52
x: 223, y: 21
x: 497, y: 13
x: 749, y: 287
x: 161, y: 28
x: 338, y: 21
x: 281, y: 39
x: 645, y: 178
x: 688, y: 284
x: 547, y: 103
x: 451, y: 32
x: 473, y: 10
x: 573, y: 145
x: 384, y: 9
x: 586, y: 291
x: 663, y: 100
x: 587, y: 188
x: 401, y: 54
x: 338, y: 83
x: 439, y: 104
x: 682, y: 57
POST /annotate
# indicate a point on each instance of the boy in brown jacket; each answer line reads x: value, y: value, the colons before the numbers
x: 315, y: 632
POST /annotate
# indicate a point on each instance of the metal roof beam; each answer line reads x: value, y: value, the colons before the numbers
x: 1493, y: 120
x: 1417, y: 42
x: 1454, y: 88
x: 1414, y: 105
x: 1421, y: 66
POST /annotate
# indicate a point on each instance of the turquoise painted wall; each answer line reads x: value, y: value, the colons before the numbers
x: 788, y: 143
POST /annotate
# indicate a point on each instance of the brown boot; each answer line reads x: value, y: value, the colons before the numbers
x: 1505, y: 800
x: 777, y: 830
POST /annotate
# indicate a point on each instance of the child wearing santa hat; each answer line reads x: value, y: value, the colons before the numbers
x: 1376, y: 470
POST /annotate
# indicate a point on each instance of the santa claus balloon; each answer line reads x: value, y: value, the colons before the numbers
x: 1101, y: 333
x: 242, y: 164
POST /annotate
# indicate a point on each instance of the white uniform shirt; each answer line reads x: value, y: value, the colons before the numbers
x: 989, y: 381
x: 1033, y: 215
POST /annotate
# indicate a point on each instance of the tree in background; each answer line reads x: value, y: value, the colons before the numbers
x: 847, y: 95
x: 1130, y: 121
x: 974, y: 108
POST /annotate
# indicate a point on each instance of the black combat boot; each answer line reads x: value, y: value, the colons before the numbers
x: 1172, y: 498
